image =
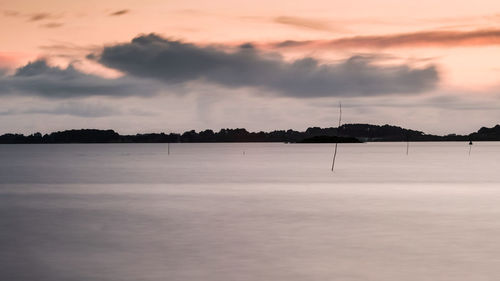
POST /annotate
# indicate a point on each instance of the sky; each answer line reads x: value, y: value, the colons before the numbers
x: 172, y: 66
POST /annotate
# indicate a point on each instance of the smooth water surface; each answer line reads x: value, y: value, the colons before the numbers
x: 249, y: 212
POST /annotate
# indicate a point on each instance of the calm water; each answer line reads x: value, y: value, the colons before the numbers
x: 249, y: 212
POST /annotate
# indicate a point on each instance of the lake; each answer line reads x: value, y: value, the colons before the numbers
x: 249, y: 211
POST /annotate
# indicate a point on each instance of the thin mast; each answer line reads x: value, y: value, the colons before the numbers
x: 337, y: 142
x: 407, y: 143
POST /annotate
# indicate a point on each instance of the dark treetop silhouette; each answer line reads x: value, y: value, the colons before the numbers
x: 347, y: 133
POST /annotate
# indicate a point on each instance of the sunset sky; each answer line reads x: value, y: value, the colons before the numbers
x: 172, y: 66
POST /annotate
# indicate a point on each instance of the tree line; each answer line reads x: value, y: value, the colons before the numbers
x: 347, y: 133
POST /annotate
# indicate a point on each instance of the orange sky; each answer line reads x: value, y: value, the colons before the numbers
x: 66, y: 31
x: 30, y: 27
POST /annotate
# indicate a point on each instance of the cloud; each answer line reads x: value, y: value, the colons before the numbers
x: 69, y: 48
x: 482, y: 37
x: 10, y: 13
x: 152, y: 64
x: 41, y: 16
x: 84, y: 109
x: 303, y: 23
x: 442, y: 100
x: 52, y: 25
x: 35, y: 17
x: 39, y: 79
x: 79, y: 109
x: 120, y: 12
x: 68, y: 51
x: 174, y: 62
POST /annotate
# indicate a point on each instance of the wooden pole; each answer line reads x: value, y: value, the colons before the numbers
x: 407, y: 144
x: 337, y: 142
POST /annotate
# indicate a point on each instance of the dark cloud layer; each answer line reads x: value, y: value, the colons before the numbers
x: 152, y: 64
x: 40, y: 79
x: 169, y: 61
x: 416, y: 39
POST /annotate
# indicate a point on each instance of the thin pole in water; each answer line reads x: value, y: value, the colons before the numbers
x: 337, y: 142
x: 407, y: 144
x: 470, y: 147
x: 168, y: 148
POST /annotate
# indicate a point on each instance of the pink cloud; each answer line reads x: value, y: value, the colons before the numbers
x: 481, y: 37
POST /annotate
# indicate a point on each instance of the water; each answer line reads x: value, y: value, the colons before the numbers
x: 249, y: 212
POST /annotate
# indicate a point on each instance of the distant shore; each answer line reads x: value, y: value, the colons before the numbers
x: 347, y: 133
